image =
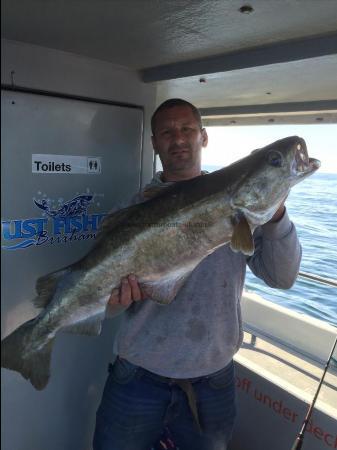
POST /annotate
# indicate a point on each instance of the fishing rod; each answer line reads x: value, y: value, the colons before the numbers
x: 300, y: 437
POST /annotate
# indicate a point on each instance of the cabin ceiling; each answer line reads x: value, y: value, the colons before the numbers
x: 283, y: 52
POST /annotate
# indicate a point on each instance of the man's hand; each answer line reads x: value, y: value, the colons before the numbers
x: 128, y: 293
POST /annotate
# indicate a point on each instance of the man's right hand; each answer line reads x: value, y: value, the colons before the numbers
x: 128, y: 293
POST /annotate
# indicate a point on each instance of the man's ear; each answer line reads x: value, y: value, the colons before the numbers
x: 204, y: 137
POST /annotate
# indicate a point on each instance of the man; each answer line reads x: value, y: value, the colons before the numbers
x: 175, y: 363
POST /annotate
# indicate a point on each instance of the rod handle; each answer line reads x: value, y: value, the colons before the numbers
x: 298, y: 443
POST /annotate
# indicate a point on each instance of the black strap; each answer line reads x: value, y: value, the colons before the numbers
x: 187, y: 387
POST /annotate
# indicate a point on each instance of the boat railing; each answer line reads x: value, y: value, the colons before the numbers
x: 271, y: 339
x: 319, y: 279
x: 255, y: 327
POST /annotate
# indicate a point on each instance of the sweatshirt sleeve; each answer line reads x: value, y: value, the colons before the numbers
x: 278, y: 253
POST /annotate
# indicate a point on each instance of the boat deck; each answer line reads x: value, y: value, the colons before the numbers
x: 294, y: 373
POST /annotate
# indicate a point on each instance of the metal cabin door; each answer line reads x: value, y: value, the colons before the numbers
x: 65, y: 163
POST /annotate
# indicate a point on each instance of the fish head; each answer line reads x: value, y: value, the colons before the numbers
x: 266, y: 176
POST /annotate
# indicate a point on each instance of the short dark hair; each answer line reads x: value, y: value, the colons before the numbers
x: 172, y: 102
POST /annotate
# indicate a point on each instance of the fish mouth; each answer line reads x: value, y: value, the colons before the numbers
x: 303, y: 165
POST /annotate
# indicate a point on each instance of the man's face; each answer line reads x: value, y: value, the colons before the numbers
x: 178, y: 140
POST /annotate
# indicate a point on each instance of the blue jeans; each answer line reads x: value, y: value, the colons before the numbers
x: 137, y: 405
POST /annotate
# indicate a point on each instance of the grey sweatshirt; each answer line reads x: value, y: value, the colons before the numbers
x: 201, y: 330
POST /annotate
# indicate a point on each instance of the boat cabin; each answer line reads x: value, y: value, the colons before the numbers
x: 80, y: 81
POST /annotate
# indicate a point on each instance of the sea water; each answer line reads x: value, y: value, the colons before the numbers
x: 312, y: 207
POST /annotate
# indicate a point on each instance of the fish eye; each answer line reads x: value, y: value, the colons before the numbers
x: 275, y: 158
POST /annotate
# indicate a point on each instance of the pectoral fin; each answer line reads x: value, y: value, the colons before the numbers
x: 164, y: 289
x: 46, y: 287
x: 242, y: 237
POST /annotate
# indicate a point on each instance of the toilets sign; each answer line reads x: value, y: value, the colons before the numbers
x: 66, y: 164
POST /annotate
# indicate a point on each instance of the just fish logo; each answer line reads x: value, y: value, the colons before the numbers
x: 61, y: 222
x: 73, y: 207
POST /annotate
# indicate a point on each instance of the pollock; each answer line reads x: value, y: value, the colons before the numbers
x: 160, y: 240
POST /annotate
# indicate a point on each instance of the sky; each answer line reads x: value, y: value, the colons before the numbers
x: 227, y: 144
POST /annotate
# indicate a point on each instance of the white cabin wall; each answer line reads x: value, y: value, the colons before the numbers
x: 62, y: 416
x: 52, y: 70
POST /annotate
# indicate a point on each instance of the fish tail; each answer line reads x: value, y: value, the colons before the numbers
x: 18, y: 353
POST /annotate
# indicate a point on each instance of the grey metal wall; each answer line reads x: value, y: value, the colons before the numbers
x: 62, y: 416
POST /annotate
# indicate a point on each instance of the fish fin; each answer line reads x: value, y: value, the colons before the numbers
x: 46, y: 287
x: 164, y: 290
x: 242, y: 237
x: 90, y: 327
x: 154, y: 191
x: 113, y: 219
x: 43, y: 205
x: 18, y: 353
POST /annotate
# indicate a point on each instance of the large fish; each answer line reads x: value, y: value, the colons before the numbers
x: 161, y: 241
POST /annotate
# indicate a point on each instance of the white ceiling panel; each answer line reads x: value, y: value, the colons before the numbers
x: 147, y: 33
x: 299, y: 81
x: 283, y: 51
